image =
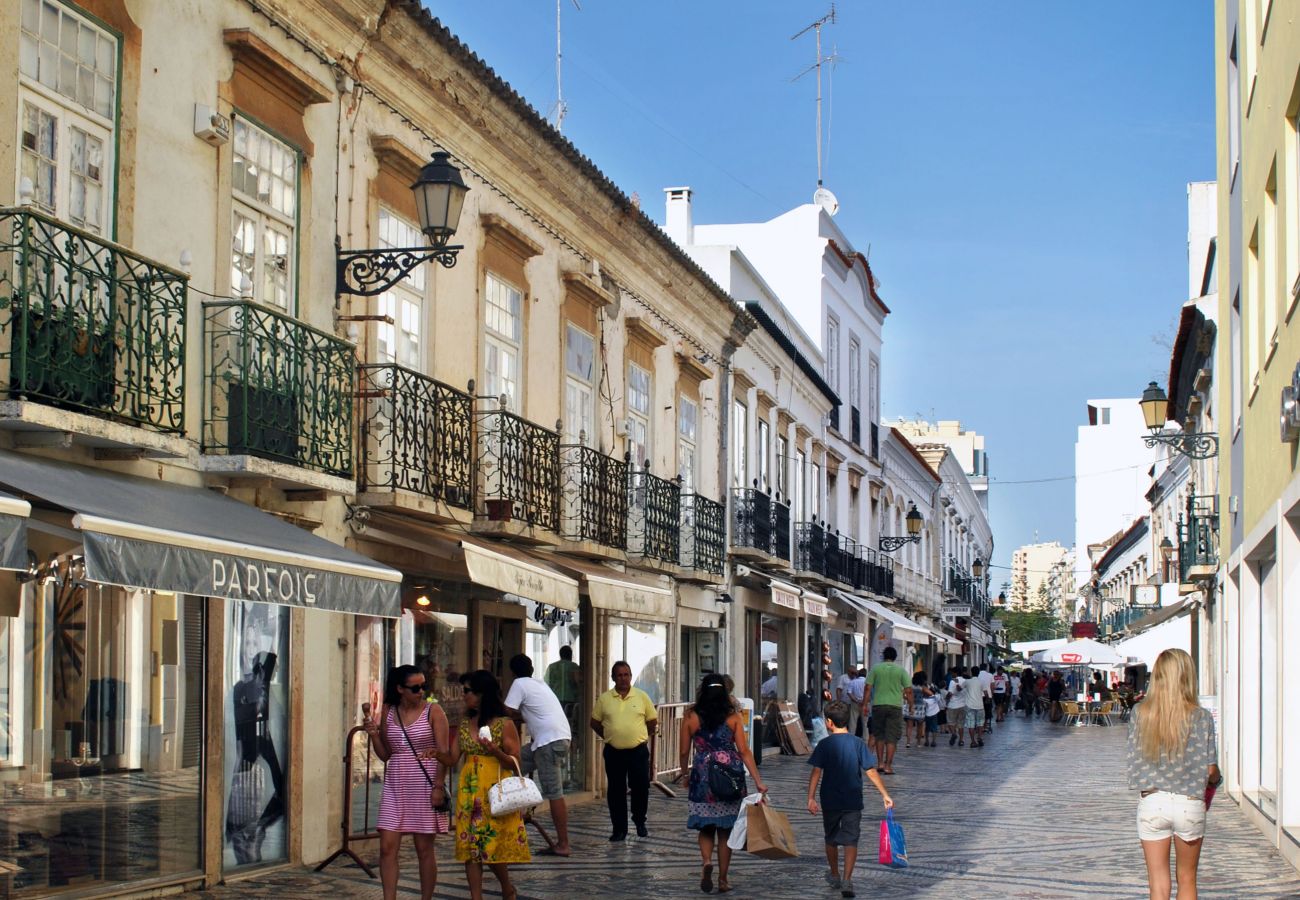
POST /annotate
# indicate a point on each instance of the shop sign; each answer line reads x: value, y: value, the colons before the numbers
x: 782, y: 597
x: 956, y: 610
x: 249, y: 579
x: 544, y: 614
x: 1145, y: 595
x: 1083, y: 630
x: 995, y: 624
x: 814, y: 607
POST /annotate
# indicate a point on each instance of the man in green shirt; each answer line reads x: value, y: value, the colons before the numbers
x: 883, y: 700
x: 564, y: 678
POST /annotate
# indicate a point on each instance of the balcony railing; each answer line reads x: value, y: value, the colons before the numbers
x: 810, y: 548
x: 1197, y: 538
x: 704, y: 534
x: 751, y: 519
x: 781, y: 530
x: 88, y: 325
x: 417, y: 435
x: 654, y: 516
x: 875, y: 441
x: 276, y: 388
x: 594, y: 496
x: 518, y: 470
x: 855, y: 425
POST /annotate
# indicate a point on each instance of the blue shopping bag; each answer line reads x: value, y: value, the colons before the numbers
x: 893, y: 849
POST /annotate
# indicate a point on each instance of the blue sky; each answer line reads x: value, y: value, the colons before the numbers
x: 1017, y: 171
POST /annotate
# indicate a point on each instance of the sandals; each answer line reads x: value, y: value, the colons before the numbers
x: 724, y: 886
x: 706, y: 879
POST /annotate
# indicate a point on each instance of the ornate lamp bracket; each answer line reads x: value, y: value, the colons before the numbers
x: 890, y: 544
x: 1194, y: 445
x: 366, y: 273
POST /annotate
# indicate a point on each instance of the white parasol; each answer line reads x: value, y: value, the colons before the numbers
x: 1083, y: 652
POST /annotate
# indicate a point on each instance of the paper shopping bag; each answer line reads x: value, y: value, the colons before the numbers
x: 768, y: 833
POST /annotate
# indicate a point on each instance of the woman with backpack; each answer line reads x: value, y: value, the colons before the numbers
x: 714, y: 729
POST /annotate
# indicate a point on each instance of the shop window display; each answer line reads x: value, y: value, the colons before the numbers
x: 645, y: 648
x: 557, y: 659
x: 442, y: 652
x: 101, y: 699
x: 256, y: 740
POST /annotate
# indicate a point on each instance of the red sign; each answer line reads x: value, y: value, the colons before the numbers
x: 1083, y: 629
x: 1071, y: 657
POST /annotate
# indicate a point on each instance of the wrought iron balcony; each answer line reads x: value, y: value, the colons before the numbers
x: 781, y: 530
x: 416, y: 435
x: 751, y: 520
x: 1198, y: 551
x: 593, y: 496
x: 879, y: 574
x: 855, y: 425
x: 518, y: 470
x: 89, y: 326
x: 276, y: 388
x: 810, y: 548
x: 654, y: 516
x: 704, y: 534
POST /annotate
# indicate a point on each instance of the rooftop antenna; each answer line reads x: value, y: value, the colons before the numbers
x: 561, y: 108
x: 823, y: 197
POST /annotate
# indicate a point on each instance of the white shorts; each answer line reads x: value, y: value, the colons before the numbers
x: 1163, y: 815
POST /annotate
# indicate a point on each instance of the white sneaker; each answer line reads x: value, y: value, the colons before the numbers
x: 831, y: 880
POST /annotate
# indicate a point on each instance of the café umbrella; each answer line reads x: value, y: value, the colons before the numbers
x: 1083, y: 652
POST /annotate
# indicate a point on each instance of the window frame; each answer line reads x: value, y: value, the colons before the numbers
x: 579, y: 384
x: 740, y: 444
x: 688, y: 445
x: 262, y: 211
x: 492, y: 338
x: 412, y: 290
x: 644, y: 418
x: 69, y: 111
x: 764, y: 448
x: 832, y: 352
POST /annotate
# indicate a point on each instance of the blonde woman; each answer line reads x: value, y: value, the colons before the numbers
x: 1172, y: 760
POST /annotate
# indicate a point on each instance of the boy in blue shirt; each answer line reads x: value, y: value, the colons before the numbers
x: 838, y: 761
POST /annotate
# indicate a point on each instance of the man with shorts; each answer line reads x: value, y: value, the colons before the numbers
x: 838, y: 761
x: 547, y: 753
x: 884, y: 697
x: 973, y: 692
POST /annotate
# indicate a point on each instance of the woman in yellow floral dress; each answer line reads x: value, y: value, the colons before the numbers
x: 481, y: 838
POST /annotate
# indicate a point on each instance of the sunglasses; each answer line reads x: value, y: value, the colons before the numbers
x: 467, y: 689
x: 416, y: 688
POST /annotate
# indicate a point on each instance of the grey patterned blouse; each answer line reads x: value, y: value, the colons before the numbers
x: 1181, y: 775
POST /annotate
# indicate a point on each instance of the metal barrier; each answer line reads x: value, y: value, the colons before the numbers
x: 363, y: 781
x: 664, y: 758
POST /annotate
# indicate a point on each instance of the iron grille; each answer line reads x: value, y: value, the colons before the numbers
x: 781, y: 530
x: 519, y: 470
x: 593, y: 501
x: 810, y: 548
x: 704, y: 534
x: 654, y: 516
x: 87, y: 325
x: 751, y: 524
x: 875, y: 441
x: 1197, y: 545
x: 855, y: 425
x: 416, y: 435
x: 276, y: 388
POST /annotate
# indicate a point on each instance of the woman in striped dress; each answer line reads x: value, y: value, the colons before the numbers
x: 406, y: 736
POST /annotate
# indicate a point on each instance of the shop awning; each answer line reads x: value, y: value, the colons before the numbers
x: 904, y: 628
x: 503, y: 567
x: 13, y: 532
x: 786, y: 594
x: 161, y: 536
x: 814, y: 604
x: 628, y: 592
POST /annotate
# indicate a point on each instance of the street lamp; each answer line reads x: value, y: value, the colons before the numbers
x: 439, y: 198
x: 1194, y: 445
x: 914, y: 522
x: 977, y: 568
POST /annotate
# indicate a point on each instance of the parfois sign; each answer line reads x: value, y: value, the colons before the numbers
x: 250, y: 579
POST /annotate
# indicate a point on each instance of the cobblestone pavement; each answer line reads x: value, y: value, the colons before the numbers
x: 1041, y: 811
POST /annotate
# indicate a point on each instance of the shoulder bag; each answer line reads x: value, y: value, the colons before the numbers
x: 438, y: 797
x: 726, y: 777
x: 513, y: 794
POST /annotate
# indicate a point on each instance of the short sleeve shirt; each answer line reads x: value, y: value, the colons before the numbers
x: 842, y: 758
x: 974, y: 693
x: 541, y: 711
x: 888, y: 681
x: 958, y: 699
x: 624, y: 718
x: 1184, y: 774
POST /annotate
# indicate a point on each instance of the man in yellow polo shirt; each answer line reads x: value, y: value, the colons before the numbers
x: 625, y: 718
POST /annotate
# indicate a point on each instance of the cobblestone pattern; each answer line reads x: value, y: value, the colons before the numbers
x: 1041, y: 811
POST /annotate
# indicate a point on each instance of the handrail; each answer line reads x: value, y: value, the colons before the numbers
x: 350, y: 774
x: 664, y: 742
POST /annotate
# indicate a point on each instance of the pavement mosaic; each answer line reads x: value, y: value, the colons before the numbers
x: 1042, y: 811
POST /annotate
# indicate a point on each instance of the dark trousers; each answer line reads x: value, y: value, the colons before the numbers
x: 624, y: 769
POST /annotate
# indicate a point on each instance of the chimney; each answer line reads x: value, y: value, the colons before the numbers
x: 677, y: 218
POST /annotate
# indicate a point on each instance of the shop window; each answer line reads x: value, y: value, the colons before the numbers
x: 100, y: 736
x: 552, y: 644
x: 442, y: 652
x: 264, y: 181
x: 256, y: 691
x: 644, y: 646
x: 503, y: 340
x: 67, y: 91
x: 401, y: 342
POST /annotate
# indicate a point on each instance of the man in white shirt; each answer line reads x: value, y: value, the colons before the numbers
x: 855, y: 690
x: 973, y: 693
x: 956, y: 707
x: 549, y: 735
x: 986, y: 684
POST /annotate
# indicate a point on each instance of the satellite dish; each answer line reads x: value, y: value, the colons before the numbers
x: 826, y: 200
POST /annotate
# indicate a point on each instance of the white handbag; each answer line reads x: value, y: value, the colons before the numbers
x: 513, y: 794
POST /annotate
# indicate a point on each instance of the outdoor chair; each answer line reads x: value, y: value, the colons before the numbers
x: 1072, y: 712
x: 1107, y: 712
